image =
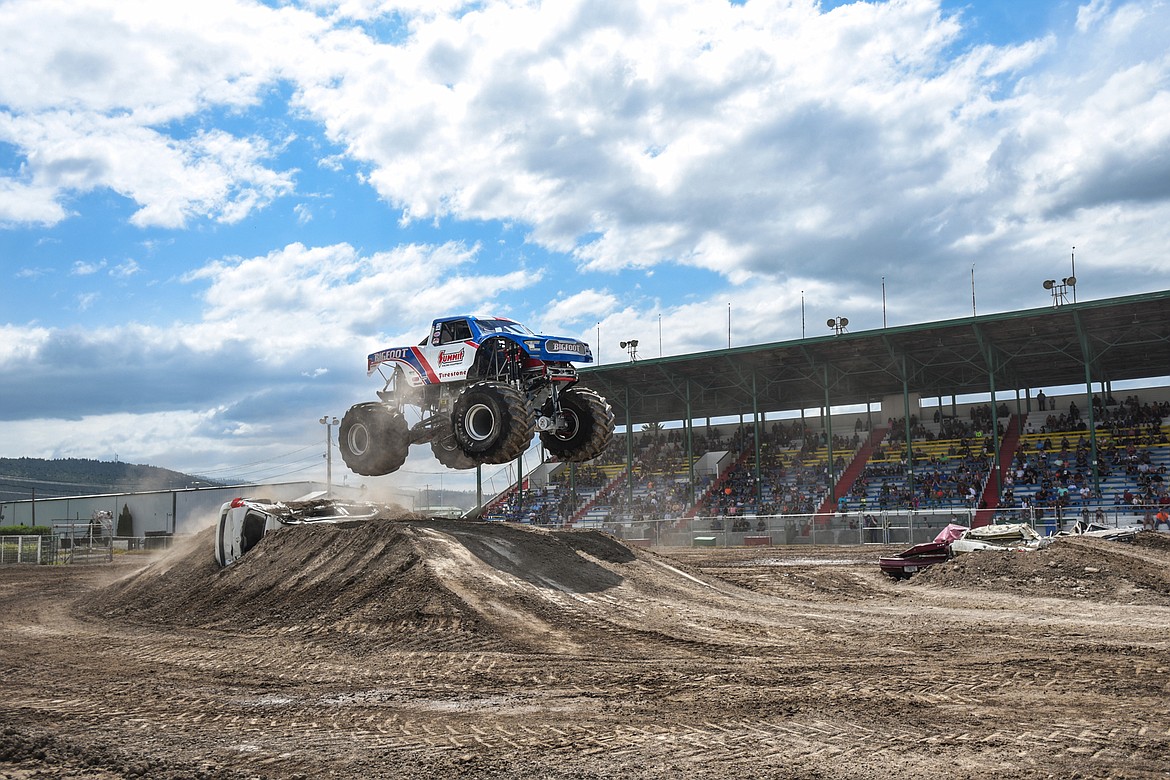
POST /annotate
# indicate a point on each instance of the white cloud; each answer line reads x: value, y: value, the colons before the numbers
x: 90, y: 86
x: 21, y: 342
x: 155, y: 61
x: 752, y: 140
x: 210, y: 174
x: 82, y: 268
x: 585, y: 307
x: 1091, y: 13
x: 304, y: 299
x: 125, y: 270
x: 745, y: 139
x: 762, y: 149
x: 190, y: 438
x: 22, y: 203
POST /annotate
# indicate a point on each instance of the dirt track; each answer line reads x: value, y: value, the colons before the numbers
x: 422, y: 650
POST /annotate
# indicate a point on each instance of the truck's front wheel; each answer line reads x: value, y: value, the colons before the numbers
x: 374, y: 439
x: 587, y: 429
x: 493, y: 422
x: 446, y: 450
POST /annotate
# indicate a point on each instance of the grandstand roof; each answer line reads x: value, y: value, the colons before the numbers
x: 1117, y: 338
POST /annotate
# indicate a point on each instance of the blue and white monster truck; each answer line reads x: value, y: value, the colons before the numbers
x: 482, y: 386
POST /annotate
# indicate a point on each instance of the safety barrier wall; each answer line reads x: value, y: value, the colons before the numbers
x: 904, y: 527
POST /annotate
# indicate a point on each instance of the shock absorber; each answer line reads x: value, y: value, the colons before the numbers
x: 516, y: 364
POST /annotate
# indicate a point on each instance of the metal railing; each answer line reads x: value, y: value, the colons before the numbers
x: 889, y: 527
x: 896, y: 527
x: 34, y: 549
x: 63, y: 549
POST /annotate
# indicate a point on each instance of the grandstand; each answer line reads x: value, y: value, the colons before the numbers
x: 925, y: 423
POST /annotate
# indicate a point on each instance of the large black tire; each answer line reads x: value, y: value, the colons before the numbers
x: 493, y: 422
x: 446, y: 450
x: 374, y: 439
x: 589, y: 430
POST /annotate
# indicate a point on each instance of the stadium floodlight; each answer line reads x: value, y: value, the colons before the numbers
x: 1060, y: 289
x: 630, y: 346
x: 838, y: 324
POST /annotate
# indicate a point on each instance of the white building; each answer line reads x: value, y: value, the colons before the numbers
x: 182, y: 511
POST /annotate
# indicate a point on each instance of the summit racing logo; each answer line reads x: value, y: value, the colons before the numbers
x: 579, y: 347
x: 448, y: 358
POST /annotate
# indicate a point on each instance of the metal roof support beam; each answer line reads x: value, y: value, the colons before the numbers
x: 832, y: 472
x: 995, y: 461
x: 519, y: 486
x: 629, y: 458
x: 690, y: 447
x: 906, y: 420
x: 756, y: 419
x: 1087, y: 354
x: 573, y: 486
x: 989, y: 357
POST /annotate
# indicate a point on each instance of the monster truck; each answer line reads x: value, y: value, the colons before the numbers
x: 482, y: 386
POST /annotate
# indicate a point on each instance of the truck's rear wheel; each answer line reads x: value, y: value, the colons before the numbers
x: 588, y: 426
x: 446, y: 450
x: 374, y: 439
x: 493, y: 422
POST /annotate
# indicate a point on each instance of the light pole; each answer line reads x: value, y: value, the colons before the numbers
x: 1060, y: 289
x: 630, y: 346
x: 838, y: 324
x: 328, y: 422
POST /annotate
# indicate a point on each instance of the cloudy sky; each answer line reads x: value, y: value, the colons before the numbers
x: 211, y: 212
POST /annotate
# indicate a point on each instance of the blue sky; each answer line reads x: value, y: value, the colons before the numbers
x: 211, y: 212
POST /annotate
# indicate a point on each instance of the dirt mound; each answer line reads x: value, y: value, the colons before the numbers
x: 1072, y: 567
x: 423, y: 582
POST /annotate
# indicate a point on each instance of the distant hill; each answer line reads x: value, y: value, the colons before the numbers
x: 59, y: 477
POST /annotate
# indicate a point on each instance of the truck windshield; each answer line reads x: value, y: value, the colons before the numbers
x: 506, y: 326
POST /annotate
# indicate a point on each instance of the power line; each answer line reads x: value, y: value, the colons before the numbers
x: 257, y: 462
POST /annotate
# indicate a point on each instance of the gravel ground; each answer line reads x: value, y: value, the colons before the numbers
x: 423, y: 649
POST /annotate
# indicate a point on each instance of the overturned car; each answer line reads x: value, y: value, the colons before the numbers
x: 244, y: 522
x: 957, y: 539
x: 901, y: 565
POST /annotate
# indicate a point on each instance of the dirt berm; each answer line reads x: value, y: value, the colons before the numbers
x: 412, y: 649
x: 428, y: 584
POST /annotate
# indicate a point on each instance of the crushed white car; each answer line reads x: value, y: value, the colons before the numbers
x: 1094, y: 530
x: 1015, y: 536
x: 244, y: 522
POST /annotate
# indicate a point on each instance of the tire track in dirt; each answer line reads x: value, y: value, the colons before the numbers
x: 640, y: 666
x: 726, y: 743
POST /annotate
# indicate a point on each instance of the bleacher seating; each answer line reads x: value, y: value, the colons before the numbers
x: 953, y: 461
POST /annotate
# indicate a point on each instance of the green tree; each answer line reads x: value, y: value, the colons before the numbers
x: 125, y: 522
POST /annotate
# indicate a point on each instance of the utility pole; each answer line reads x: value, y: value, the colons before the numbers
x: 328, y: 422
